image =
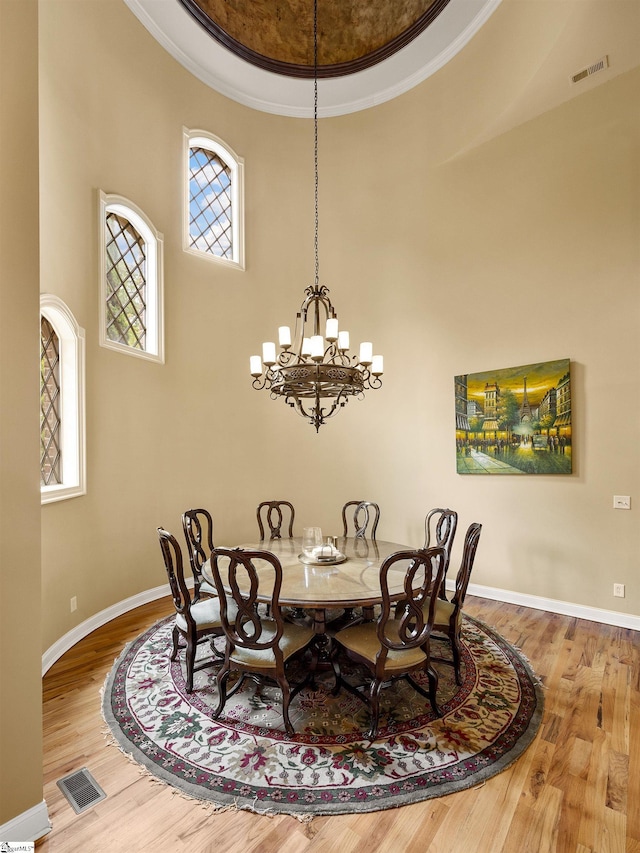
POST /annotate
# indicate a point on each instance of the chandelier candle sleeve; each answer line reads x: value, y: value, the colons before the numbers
x: 377, y: 365
x: 343, y: 341
x: 269, y: 353
x: 284, y: 337
x: 317, y: 347
x: 366, y: 353
x: 255, y: 363
x: 332, y: 329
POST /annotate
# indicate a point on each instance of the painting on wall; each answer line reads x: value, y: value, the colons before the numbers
x: 515, y: 420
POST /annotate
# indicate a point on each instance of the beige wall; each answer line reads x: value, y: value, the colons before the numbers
x: 452, y: 256
x: 20, y: 639
x: 520, y: 250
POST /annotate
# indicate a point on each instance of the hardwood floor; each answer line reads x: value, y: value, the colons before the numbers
x: 575, y: 790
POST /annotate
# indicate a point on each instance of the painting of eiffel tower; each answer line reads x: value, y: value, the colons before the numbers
x: 515, y: 420
x: 525, y: 409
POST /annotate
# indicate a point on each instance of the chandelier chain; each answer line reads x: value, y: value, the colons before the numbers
x: 315, y: 136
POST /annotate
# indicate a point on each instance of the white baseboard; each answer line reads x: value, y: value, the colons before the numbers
x: 84, y: 628
x: 552, y: 605
x: 28, y: 826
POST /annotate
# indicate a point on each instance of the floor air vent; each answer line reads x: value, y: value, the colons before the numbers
x: 600, y: 65
x: 81, y: 789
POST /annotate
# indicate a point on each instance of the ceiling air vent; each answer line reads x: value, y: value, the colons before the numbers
x: 600, y: 65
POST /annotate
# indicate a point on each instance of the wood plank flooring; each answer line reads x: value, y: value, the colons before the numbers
x: 575, y: 790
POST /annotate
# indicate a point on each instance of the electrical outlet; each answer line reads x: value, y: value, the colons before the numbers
x: 74, y: 603
x: 618, y: 590
x: 621, y: 502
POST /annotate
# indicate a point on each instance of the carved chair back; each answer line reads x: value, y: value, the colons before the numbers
x: 365, y: 512
x: 273, y: 514
x: 198, y: 532
x: 240, y: 577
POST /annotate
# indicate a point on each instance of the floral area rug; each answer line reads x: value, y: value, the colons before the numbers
x: 245, y: 759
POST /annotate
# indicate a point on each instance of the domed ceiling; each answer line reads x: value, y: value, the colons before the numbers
x: 260, y: 52
x: 278, y: 34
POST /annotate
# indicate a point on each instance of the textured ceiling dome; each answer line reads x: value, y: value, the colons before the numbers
x: 260, y: 52
x: 278, y: 34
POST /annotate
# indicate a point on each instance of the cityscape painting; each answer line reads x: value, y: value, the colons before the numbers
x: 515, y: 420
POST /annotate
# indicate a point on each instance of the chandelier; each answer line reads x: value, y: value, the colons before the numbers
x: 313, y: 369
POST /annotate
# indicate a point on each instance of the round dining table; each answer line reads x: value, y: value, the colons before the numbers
x: 319, y: 587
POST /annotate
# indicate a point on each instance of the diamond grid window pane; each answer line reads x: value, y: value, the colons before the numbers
x: 126, y: 283
x: 50, y: 422
x: 210, y: 213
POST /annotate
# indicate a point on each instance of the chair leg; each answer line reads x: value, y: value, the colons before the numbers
x: 190, y: 658
x: 237, y: 685
x: 374, y: 698
x: 335, y: 666
x: 286, y: 696
x: 455, y: 648
x: 176, y: 637
x: 433, y: 690
x: 221, y: 678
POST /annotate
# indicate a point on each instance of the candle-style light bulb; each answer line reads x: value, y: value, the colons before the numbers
x: 366, y: 353
x: 343, y: 341
x: 377, y: 365
x: 269, y: 353
x: 331, y: 333
x: 317, y: 347
x: 284, y: 336
x: 255, y: 365
x: 306, y: 347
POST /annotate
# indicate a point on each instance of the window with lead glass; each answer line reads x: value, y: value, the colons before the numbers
x: 126, y: 283
x: 214, y: 221
x: 62, y: 422
x: 210, y: 209
x: 131, y: 280
x: 50, y: 421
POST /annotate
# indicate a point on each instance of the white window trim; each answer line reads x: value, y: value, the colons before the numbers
x: 154, y: 240
x: 203, y: 139
x: 72, y: 405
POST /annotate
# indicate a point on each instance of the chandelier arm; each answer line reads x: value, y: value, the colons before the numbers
x: 261, y: 382
x: 287, y: 356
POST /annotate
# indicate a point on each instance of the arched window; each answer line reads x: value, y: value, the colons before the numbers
x: 62, y: 422
x: 131, y: 303
x: 214, y: 220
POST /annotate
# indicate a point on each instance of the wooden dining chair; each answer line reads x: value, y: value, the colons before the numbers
x: 448, y: 614
x: 195, y: 620
x: 364, y: 513
x: 274, y: 515
x: 198, y: 532
x: 440, y: 529
x: 257, y: 647
x: 394, y: 647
